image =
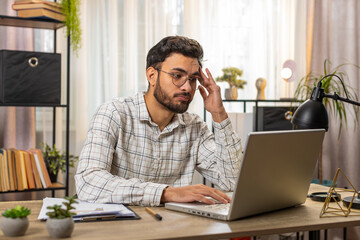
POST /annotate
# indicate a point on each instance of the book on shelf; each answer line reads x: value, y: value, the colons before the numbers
x: 35, y: 171
x: 52, y: 6
x: 19, y: 170
x: 6, y: 170
x: 40, y: 13
x: 29, y: 172
x: 43, y: 167
x: 11, y: 168
x: 42, y: 177
x: 2, y: 178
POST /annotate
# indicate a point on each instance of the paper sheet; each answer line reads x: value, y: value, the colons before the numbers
x: 85, y: 208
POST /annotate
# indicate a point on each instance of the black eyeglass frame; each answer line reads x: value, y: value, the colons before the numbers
x: 173, y: 76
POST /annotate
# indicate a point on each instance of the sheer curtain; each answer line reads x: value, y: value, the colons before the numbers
x: 336, y: 37
x: 336, y: 34
x: 255, y: 36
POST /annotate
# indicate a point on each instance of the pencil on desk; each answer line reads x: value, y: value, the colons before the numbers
x: 156, y: 215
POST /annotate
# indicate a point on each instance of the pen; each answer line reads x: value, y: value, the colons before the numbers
x: 158, y: 217
x: 95, y: 218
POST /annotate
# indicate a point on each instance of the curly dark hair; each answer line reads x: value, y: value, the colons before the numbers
x: 173, y: 44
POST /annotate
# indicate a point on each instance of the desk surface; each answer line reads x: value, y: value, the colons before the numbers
x: 177, y: 225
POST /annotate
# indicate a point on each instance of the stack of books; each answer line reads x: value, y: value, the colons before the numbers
x: 38, y: 9
x: 21, y: 170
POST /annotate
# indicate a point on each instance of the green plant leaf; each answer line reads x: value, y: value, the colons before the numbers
x: 56, y: 161
x: 17, y: 212
x: 59, y: 212
x: 71, y: 12
x: 232, y: 76
x: 331, y: 85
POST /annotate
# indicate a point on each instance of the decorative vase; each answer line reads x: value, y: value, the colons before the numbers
x: 231, y: 93
x: 60, y: 228
x: 13, y: 227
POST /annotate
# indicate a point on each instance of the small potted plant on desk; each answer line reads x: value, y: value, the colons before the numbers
x: 230, y: 75
x: 56, y: 161
x: 60, y: 223
x: 14, y: 221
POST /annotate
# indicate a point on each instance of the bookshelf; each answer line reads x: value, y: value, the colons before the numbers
x: 47, y: 24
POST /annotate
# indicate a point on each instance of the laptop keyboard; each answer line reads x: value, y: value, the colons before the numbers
x: 216, y: 207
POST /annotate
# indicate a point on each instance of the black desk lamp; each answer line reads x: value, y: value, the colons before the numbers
x: 312, y: 113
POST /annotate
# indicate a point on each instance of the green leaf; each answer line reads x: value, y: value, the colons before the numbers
x: 59, y: 212
x: 17, y: 212
x: 331, y: 85
x: 230, y: 75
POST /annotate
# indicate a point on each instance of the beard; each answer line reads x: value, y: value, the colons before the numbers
x: 167, y: 102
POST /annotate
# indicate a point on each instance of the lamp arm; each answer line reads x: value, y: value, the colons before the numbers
x: 337, y: 97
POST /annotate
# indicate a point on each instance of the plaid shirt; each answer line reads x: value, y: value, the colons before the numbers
x: 127, y: 159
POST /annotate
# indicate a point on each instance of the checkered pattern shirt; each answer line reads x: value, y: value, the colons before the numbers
x: 127, y: 159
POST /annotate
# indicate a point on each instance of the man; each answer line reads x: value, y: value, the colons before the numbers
x: 143, y: 150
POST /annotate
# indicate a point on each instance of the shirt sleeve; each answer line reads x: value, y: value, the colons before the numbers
x: 93, y: 179
x: 219, y: 155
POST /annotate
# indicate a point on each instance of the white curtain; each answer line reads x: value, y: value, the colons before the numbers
x: 255, y: 36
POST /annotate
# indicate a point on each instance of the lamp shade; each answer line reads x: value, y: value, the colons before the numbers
x: 311, y: 114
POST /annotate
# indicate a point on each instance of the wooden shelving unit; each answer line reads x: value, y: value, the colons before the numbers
x: 47, y: 24
x: 12, y: 21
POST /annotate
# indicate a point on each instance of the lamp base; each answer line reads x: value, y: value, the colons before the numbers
x: 355, y: 202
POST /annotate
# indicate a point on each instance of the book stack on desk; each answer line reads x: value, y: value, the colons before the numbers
x: 38, y: 9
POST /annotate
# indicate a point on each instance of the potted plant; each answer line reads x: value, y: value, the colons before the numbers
x: 330, y: 84
x: 70, y: 10
x: 232, y: 75
x: 56, y: 161
x: 60, y: 223
x: 14, y: 221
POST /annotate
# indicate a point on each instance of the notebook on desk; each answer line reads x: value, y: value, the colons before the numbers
x: 275, y: 173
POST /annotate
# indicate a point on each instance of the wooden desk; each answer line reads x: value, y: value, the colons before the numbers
x: 177, y: 225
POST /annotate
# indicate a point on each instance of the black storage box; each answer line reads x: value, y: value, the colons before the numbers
x: 273, y: 118
x: 30, y: 78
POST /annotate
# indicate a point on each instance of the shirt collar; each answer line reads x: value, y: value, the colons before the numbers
x: 144, y: 114
x: 142, y: 109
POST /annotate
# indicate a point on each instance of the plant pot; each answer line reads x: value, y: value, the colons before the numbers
x: 53, y: 177
x: 231, y: 93
x: 60, y: 228
x: 13, y: 227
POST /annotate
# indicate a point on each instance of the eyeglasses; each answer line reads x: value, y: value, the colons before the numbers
x: 179, y: 79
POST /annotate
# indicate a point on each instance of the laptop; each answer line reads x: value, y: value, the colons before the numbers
x: 275, y: 173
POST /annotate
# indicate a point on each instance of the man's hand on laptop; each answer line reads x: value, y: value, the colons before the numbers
x: 194, y: 193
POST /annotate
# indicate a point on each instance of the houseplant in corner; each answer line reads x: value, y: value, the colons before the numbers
x: 232, y: 75
x: 331, y: 84
x: 56, y: 161
x: 14, y: 221
x: 60, y: 223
